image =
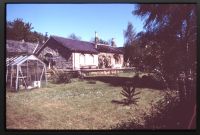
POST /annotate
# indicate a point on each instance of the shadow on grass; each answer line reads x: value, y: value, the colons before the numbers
x: 169, y: 117
x: 144, y: 82
x: 124, y: 102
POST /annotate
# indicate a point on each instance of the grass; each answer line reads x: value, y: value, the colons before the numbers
x: 77, y: 105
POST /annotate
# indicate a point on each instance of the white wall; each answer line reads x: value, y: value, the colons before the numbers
x: 80, y: 59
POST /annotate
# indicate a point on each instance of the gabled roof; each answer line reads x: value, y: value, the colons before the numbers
x: 21, y: 59
x: 83, y: 46
x: 76, y: 45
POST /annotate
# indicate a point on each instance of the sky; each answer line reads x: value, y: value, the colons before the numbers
x: 108, y: 20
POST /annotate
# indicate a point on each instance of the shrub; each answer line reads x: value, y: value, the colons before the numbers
x: 165, y: 114
x: 136, y: 80
x: 134, y: 124
x: 128, y: 92
x: 168, y: 114
x: 92, y: 82
x: 81, y: 75
x: 62, y: 78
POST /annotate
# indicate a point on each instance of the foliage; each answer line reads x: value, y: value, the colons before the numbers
x: 131, y: 48
x: 171, y: 33
x: 101, y: 41
x: 161, y: 114
x: 128, y: 92
x: 100, y: 64
x: 131, y: 124
x: 103, y: 62
x: 75, y: 37
x: 48, y: 59
x: 61, y: 77
x: 92, y: 82
x: 166, y: 114
x: 169, y: 40
x: 20, y: 30
x: 81, y: 75
x: 129, y: 34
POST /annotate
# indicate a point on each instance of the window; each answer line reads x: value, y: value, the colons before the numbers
x: 91, y: 59
x: 117, y: 58
x: 82, y: 59
x: 109, y: 61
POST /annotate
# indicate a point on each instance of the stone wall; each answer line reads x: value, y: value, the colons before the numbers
x: 60, y: 61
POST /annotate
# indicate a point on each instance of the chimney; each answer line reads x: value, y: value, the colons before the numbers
x: 96, y: 39
x: 113, y: 43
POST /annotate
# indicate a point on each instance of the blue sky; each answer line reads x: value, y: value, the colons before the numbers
x: 109, y: 20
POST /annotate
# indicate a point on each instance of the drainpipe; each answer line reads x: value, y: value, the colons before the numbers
x: 74, y: 61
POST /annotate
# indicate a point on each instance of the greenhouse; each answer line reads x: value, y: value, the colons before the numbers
x: 25, y: 72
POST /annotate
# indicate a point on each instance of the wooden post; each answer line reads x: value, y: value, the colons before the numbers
x: 73, y: 61
x: 27, y: 70
x: 37, y: 70
x: 6, y: 73
x: 11, y: 74
x: 42, y: 74
x: 45, y: 75
x: 16, y: 81
x: 22, y: 76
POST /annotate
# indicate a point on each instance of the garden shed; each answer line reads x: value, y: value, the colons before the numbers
x: 25, y: 72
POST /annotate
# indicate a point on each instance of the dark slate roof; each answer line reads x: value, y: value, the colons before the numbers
x: 76, y: 45
x: 109, y: 49
x: 18, y: 47
x: 122, y: 49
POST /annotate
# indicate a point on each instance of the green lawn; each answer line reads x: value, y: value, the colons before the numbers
x: 77, y: 105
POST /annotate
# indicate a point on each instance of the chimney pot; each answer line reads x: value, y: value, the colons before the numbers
x: 113, y: 43
x: 96, y: 40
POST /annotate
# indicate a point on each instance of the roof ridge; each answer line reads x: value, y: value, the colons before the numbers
x: 71, y: 39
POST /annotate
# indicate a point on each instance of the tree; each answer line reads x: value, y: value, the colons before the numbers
x: 133, y: 51
x: 100, y: 41
x: 73, y: 36
x: 46, y: 36
x: 171, y: 31
x: 129, y: 34
x: 36, y: 37
x: 18, y: 30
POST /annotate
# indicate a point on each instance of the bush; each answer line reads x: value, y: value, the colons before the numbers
x: 92, y: 82
x: 169, y: 114
x: 62, y: 78
x: 165, y: 114
x: 81, y: 75
x: 128, y: 92
x: 134, y: 124
x: 136, y: 80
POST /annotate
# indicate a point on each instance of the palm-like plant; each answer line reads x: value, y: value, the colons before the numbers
x: 129, y: 92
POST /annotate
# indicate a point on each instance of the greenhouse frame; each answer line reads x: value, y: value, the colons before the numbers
x: 25, y: 72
